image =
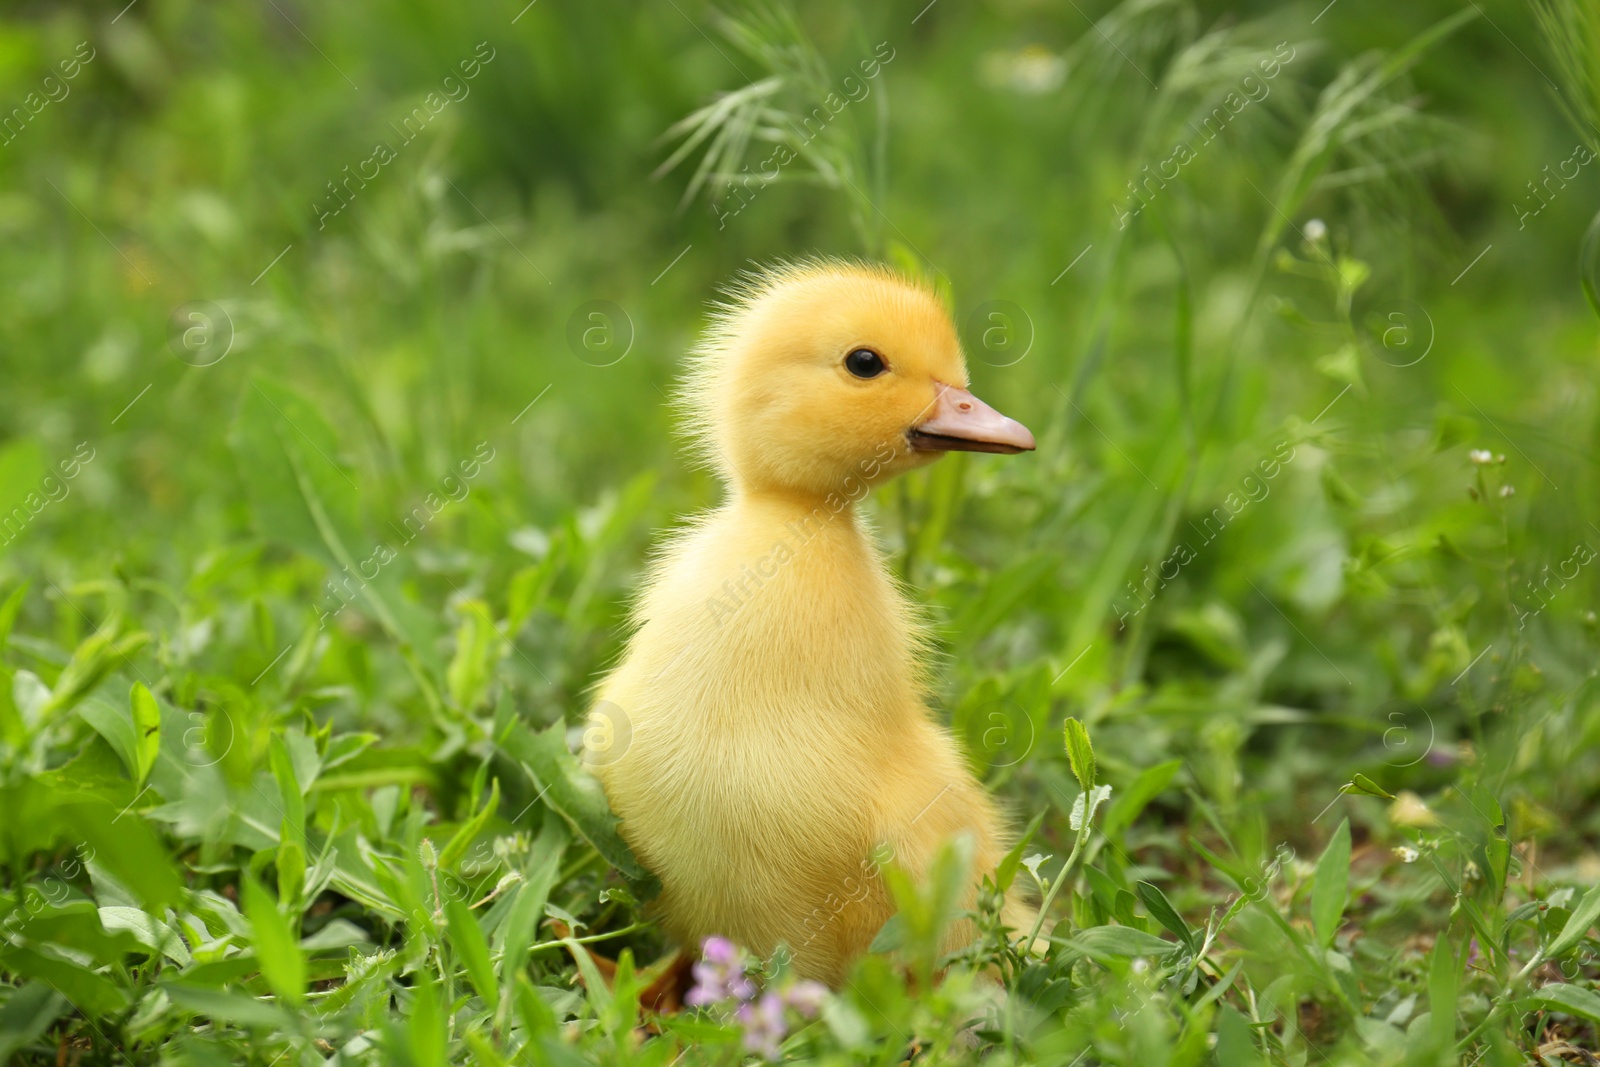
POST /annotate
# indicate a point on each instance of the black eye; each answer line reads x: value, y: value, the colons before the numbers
x: 865, y: 363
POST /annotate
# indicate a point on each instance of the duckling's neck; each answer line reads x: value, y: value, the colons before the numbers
x: 804, y: 602
x: 777, y: 609
x: 799, y: 517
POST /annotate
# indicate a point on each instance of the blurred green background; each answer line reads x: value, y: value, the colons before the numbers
x: 1349, y: 271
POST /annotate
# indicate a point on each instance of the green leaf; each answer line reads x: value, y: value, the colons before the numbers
x: 1080, y: 753
x: 463, y: 838
x: 123, y: 843
x: 1100, y: 941
x: 27, y: 1015
x: 1443, y: 978
x: 425, y: 1024
x: 1568, y: 999
x: 594, y: 984
x: 472, y: 668
x: 890, y: 936
x: 572, y: 791
x: 8, y: 618
x: 536, y: 1016
x: 947, y: 877
x: 1583, y: 916
x: 1487, y: 806
x: 289, y: 790
x: 304, y: 498
x: 291, y: 863
x: 116, y: 726
x: 1161, y: 909
x: 1219, y: 987
x: 1343, y: 364
x: 483, y: 1053
x: 151, y: 933
x: 1103, y: 890
x: 346, y: 747
x: 521, y: 924
x: 147, y: 730
x: 1006, y: 873
x: 1236, y: 1045
x: 1497, y: 856
x: 1087, y: 803
x: 224, y: 1006
x: 1362, y: 784
x: 1145, y: 788
x: 282, y: 964
x: 91, y: 993
x: 472, y: 948
x: 91, y: 660
x: 1330, y: 884
x: 30, y: 697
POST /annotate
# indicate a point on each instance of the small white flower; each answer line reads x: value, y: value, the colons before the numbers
x: 1407, y: 854
x: 1506, y: 490
x: 1471, y: 874
x: 1480, y: 456
x: 1316, y: 230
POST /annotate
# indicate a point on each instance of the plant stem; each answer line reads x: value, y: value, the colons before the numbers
x: 1061, y: 879
x: 1500, y: 1001
x: 591, y: 939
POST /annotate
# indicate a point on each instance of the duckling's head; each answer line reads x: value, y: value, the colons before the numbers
x: 822, y: 376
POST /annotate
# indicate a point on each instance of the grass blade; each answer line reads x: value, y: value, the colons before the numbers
x: 1583, y: 917
x: 466, y: 938
x: 1161, y: 909
x: 1330, y: 884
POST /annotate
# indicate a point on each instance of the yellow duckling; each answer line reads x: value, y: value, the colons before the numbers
x: 781, y: 748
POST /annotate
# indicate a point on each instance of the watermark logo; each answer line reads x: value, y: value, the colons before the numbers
x: 209, y: 740
x: 607, y: 736
x: 200, y: 333
x: 1409, y: 737
x: 999, y: 332
x: 1400, y: 332
x: 1007, y: 734
x: 600, y: 333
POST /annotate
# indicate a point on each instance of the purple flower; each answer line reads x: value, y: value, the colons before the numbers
x: 720, y: 950
x: 719, y: 975
x: 720, y: 979
x: 806, y: 997
x: 763, y: 1025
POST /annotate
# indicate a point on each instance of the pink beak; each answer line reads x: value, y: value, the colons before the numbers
x: 960, y: 422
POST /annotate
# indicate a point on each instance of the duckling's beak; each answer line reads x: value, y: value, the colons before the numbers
x: 960, y: 422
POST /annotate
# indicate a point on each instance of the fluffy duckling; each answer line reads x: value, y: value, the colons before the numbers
x: 781, y: 747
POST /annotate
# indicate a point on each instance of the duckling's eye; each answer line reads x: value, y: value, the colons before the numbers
x: 865, y: 363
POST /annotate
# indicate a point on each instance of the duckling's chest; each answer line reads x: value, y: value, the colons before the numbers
x: 762, y: 622
x: 766, y: 692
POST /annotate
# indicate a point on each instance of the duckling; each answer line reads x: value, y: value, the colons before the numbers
x: 774, y: 685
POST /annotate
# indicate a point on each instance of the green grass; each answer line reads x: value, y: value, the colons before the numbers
x: 322, y: 525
